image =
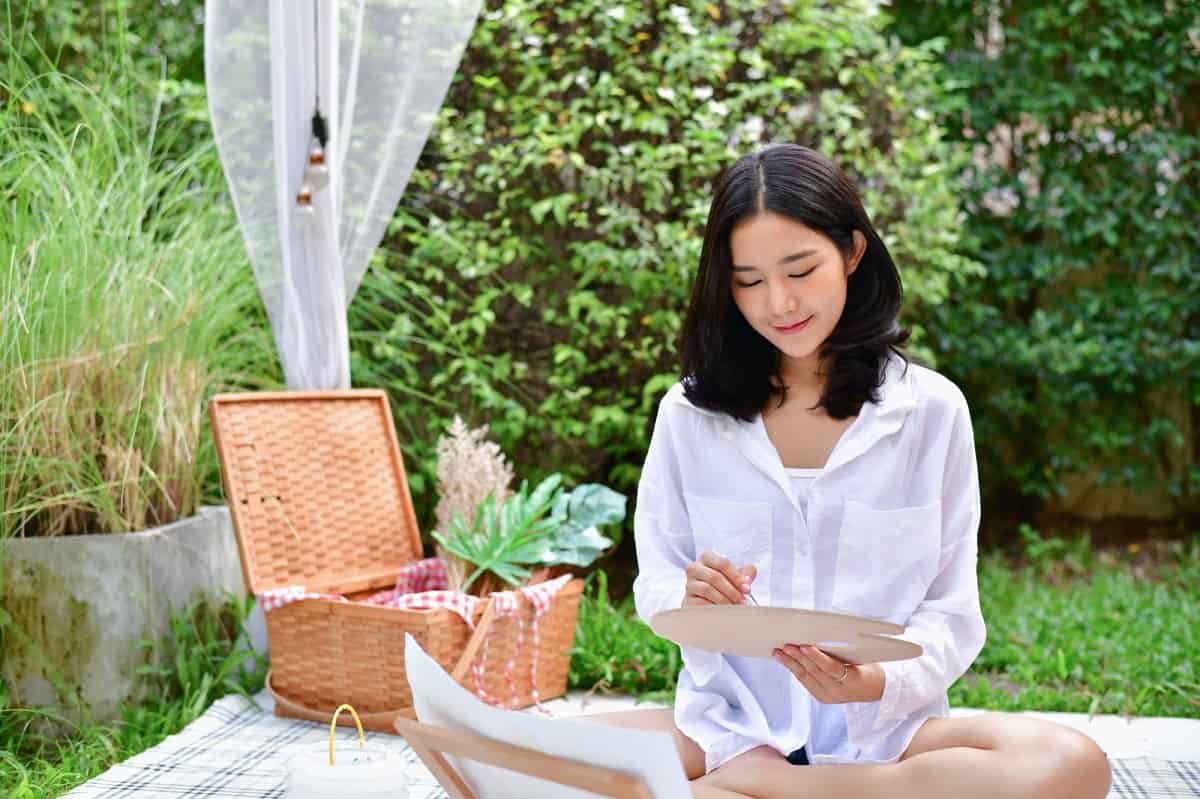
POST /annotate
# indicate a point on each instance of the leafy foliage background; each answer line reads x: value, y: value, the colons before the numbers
x: 1080, y: 347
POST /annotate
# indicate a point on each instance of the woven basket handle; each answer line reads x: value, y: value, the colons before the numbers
x: 297, y: 710
x: 477, y: 639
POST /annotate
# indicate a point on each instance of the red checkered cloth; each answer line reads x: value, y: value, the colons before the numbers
x: 422, y: 586
x: 424, y: 575
x: 427, y: 575
x: 539, y: 596
x: 462, y: 604
x: 278, y: 597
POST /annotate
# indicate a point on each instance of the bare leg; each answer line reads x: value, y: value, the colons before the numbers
x: 992, y: 756
x: 708, y: 792
x: 1057, y: 760
x: 989, y: 756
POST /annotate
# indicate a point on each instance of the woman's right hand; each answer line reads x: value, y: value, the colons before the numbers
x: 714, y: 580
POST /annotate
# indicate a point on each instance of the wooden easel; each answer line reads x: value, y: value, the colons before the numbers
x: 432, y: 744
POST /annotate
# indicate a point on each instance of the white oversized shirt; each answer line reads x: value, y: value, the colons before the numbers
x: 889, y: 530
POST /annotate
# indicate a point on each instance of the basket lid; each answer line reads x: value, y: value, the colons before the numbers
x: 316, y: 488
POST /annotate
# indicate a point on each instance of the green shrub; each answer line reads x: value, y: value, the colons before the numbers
x: 536, y: 272
x: 1086, y: 329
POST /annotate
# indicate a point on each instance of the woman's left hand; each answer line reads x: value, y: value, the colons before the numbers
x: 817, y: 671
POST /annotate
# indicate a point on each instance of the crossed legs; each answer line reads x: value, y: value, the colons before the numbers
x: 989, y: 756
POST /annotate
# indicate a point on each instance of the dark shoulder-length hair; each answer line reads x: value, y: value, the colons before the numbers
x: 726, y: 365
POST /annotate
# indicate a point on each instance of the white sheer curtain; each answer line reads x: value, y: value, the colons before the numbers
x: 384, y: 68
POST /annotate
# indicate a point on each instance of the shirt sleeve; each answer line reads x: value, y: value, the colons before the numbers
x: 948, y: 624
x: 662, y: 532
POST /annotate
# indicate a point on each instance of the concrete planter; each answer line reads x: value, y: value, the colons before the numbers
x: 83, y: 603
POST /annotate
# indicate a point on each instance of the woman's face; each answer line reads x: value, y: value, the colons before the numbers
x: 789, y: 281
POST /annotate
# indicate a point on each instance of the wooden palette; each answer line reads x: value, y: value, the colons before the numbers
x: 754, y: 631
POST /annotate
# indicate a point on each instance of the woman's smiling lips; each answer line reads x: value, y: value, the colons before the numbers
x: 796, y: 328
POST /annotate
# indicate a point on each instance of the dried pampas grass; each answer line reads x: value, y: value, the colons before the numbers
x: 469, y: 467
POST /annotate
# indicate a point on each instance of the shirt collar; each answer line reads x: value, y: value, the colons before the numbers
x: 875, y: 421
x: 895, y: 395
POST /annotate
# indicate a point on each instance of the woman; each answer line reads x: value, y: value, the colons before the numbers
x: 802, y: 461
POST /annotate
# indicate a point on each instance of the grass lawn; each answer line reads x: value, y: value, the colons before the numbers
x: 1086, y: 631
x: 1070, y: 628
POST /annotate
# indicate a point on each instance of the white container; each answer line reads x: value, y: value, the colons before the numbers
x: 359, y: 773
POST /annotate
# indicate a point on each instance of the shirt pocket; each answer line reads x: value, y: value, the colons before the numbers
x: 887, y: 559
x: 739, y: 531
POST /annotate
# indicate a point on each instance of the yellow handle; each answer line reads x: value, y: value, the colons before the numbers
x: 362, y: 740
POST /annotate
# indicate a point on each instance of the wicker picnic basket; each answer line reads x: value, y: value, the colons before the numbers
x: 319, y: 498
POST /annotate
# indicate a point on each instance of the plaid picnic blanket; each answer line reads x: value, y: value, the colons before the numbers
x: 237, y: 750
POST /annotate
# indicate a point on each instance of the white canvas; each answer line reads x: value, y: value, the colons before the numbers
x: 440, y: 701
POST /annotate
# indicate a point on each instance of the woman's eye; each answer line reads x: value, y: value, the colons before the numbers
x: 755, y: 283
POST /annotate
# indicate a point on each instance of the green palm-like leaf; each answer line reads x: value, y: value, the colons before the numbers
x: 544, y: 525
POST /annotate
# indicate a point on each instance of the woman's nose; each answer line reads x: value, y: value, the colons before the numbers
x: 782, y: 303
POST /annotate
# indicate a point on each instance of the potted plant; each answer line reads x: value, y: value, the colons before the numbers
x: 545, y: 527
x: 503, y: 539
x: 122, y: 315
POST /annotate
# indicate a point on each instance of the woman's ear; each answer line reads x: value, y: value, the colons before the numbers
x: 857, y: 249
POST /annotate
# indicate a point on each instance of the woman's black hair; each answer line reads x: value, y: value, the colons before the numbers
x: 727, y: 366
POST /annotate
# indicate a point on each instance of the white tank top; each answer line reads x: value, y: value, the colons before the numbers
x: 801, y: 480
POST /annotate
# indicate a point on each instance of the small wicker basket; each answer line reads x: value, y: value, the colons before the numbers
x: 319, y: 498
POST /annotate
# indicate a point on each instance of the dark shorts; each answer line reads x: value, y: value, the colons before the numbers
x: 798, y: 758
